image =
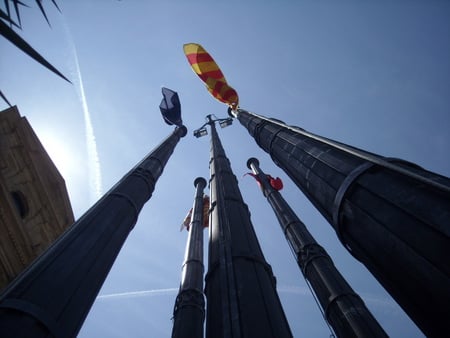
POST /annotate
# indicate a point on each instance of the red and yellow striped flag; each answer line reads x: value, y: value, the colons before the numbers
x: 187, y: 219
x: 207, y: 69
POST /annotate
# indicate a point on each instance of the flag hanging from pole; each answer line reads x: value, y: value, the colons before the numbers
x: 275, y: 183
x: 207, y: 69
x: 170, y: 107
x: 187, y: 219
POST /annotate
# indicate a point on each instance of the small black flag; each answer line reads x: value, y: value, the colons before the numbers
x: 170, y: 107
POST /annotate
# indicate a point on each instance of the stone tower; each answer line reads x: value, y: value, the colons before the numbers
x: 34, y: 204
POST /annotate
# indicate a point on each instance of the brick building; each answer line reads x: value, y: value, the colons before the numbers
x: 34, y: 204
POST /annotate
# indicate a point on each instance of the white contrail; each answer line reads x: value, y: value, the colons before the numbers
x: 95, y: 178
x: 303, y: 291
x: 138, y: 293
x: 384, y: 303
x: 155, y: 292
x: 94, y: 172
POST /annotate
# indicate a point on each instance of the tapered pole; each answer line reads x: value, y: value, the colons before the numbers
x: 391, y: 215
x: 189, y: 311
x: 343, y: 308
x: 240, y: 287
x: 53, y: 296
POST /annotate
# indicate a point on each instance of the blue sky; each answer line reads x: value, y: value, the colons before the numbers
x: 372, y: 75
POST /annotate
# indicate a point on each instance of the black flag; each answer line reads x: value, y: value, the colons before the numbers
x: 170, y: 107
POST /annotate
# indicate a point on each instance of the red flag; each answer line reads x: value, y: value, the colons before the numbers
x: 275, y: 183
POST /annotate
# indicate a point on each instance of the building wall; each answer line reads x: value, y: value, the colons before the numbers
x: 35, y: 207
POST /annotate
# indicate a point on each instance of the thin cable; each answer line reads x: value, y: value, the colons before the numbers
x: 313, y: 294
x: 320, y: 308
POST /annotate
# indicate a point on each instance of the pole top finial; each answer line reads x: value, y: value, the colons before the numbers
x: 182, y: 130
x: 230, y: 112
x: 252, y: 160
x: 200, y: 180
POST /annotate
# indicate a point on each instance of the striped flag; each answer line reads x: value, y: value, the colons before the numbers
x: 187, y: 219
x: 207, y: 69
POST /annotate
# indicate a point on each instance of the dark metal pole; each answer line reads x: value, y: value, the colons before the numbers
x: 240, y: 288
x: 391, y: 215
x: 52, y: 297
x: 189, y: 311
x: 343, y: 308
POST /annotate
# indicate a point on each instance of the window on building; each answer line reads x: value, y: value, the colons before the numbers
x: 21, y: 203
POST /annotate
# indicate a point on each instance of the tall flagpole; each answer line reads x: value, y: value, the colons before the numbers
x: 189, y: 311
x: 53, y: 296
x: 240, y: 288
x: 391, y: 215
x: 342, y: 307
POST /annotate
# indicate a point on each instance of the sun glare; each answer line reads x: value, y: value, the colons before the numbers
x: 59, y: 152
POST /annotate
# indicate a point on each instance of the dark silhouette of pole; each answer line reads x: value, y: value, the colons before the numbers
x: 391, y: 215
x: 189, y: 311
x: 342, y: 307
x: 240, y: 288
x: 52, y: 297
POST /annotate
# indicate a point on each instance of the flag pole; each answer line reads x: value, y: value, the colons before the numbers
x: 391, y: 220
x: 189, y: 310
x: 240, y: 287
x: 344, y: 310
x: 52, y: 297
x: 353, y: 151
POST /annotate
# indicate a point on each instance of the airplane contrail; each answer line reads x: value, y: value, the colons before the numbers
x: 155, y: 292
x: 386, y: 304
x: 94, y: 170
x: 138, y: 293
x: 95, y: 179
